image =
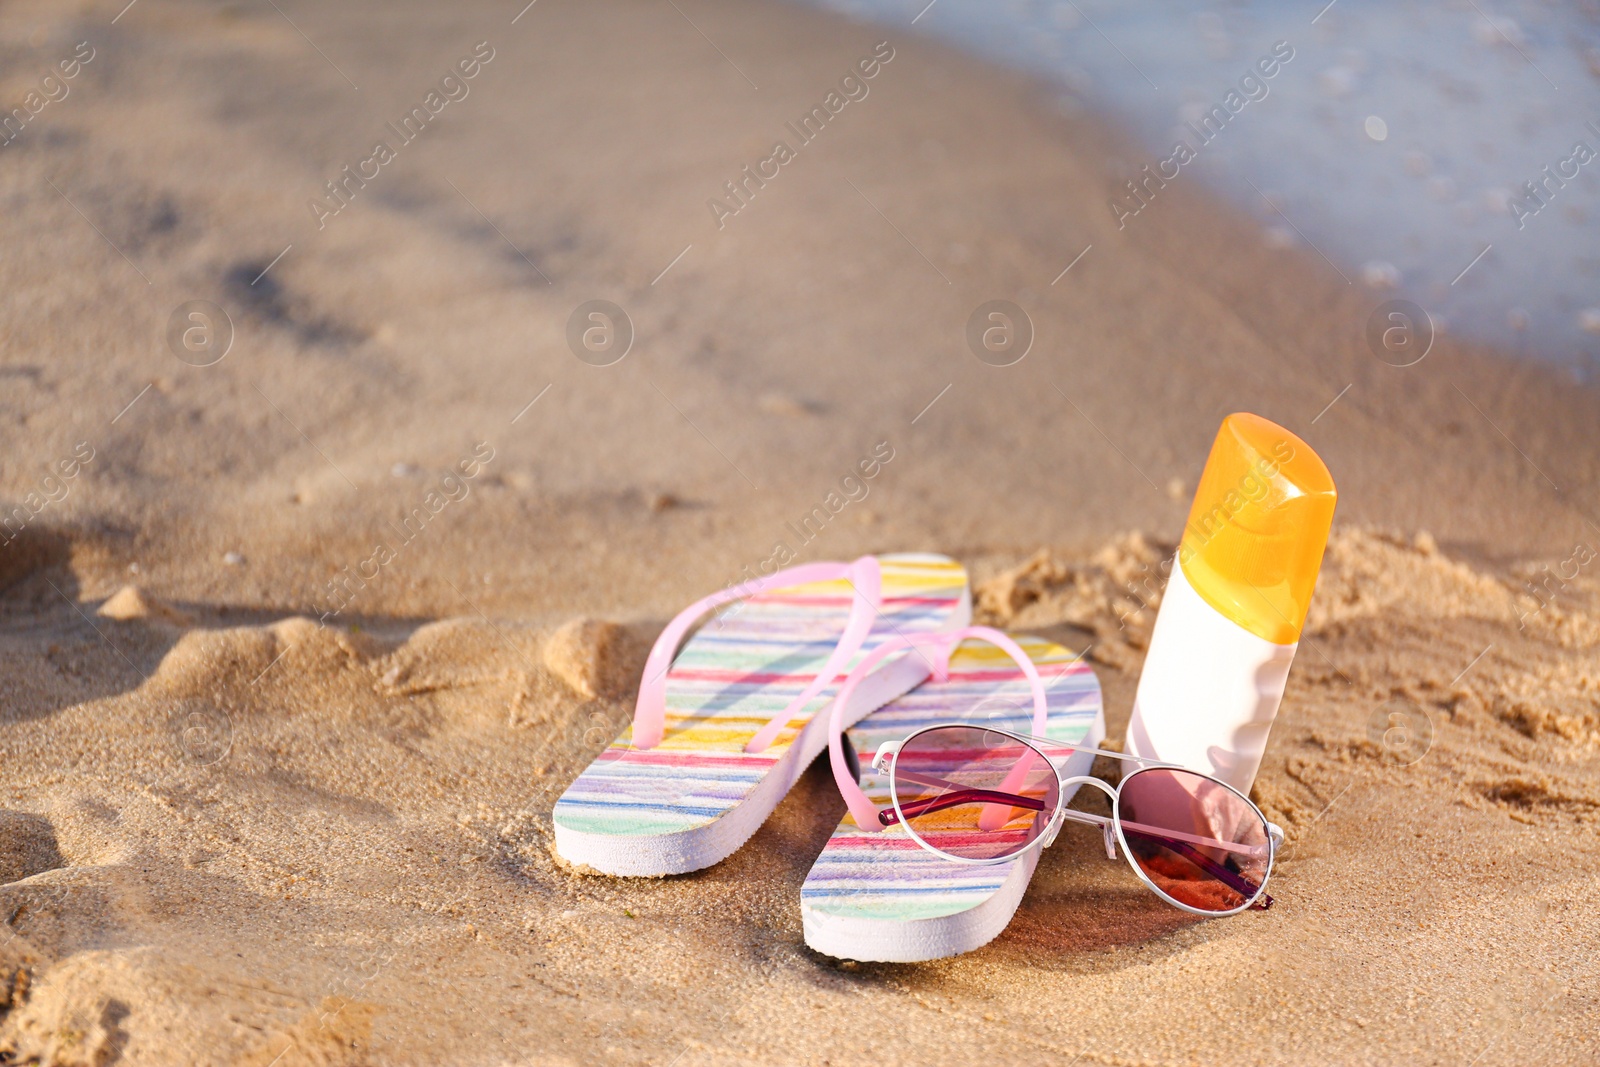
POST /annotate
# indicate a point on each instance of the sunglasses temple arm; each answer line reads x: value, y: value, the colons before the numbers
x: 1087, y: 818
x: 1165, y: 834
x: 1232, y: 879
x: 950, y: 800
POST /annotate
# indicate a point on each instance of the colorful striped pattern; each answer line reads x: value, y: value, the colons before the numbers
x: 889, y: 876
x: 741, y: 668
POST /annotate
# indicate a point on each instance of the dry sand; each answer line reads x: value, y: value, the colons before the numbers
x: 234, y: 834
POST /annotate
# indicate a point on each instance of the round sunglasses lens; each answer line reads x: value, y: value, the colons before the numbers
x: 974, y: 793
x: 1201, y: 843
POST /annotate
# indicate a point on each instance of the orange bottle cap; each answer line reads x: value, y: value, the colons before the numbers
x: 1259, y: 523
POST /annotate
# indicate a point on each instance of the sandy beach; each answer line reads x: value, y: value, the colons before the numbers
x: 336, y: 600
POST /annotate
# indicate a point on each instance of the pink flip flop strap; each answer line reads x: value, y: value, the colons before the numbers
x: 944, y: 645
x: 866, y: 580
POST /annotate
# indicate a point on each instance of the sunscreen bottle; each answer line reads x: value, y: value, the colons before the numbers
x: 1240, y: 587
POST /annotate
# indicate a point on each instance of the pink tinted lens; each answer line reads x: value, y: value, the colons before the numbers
x: 973, y: 793
x: 1200, y: 842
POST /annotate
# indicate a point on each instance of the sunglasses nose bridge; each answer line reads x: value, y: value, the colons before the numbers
x: 1108, y: 830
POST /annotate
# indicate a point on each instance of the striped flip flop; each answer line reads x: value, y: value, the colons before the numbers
x: 723, y: 728
x: 879, y: 895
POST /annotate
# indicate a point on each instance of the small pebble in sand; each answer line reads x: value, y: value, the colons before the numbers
x: 1425, y: 543
x: 660, y: 502
x: 1176, y: 489
x: 233, y: 559
x: 1376, y: 128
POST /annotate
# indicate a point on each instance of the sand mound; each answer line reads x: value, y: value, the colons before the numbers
x: 1369, y: 573
x: 102, y: 1007
x: 1113, y: 595
x: 532, y: 673
x: 205, y: 661
x: 261, y: 752
x: 131, y: 602
x: 590, y: 656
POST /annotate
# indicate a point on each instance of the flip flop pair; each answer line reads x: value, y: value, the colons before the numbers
x: 725, y: 726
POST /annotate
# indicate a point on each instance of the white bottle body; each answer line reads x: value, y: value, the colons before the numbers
x: 1209, y: 690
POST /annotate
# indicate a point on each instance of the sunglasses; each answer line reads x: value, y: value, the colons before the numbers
x: 981, y: 795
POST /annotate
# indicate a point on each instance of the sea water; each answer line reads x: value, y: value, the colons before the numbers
x: 1443, y: 153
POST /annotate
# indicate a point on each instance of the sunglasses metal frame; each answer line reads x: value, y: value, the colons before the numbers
x: 1111, y: 828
